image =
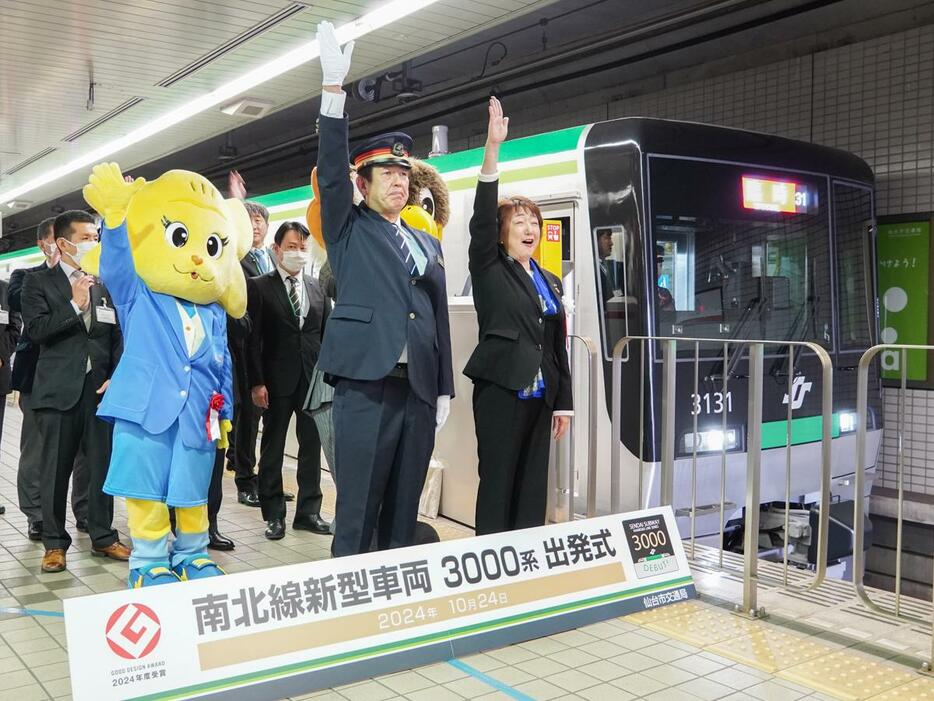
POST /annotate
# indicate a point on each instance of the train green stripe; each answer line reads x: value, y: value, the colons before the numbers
x: 528, y: 147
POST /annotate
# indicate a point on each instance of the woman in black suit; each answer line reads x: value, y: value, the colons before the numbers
x: 522, y: 382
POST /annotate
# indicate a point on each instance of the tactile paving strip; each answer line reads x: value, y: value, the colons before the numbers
x: 921, y: 689
x: 770, y: 649
x: 703, y: 626
x: 848, y: 676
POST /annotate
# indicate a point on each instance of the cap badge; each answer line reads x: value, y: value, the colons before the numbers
x: 398, y: 149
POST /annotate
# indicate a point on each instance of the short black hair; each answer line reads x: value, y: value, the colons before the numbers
x: 366, y: 172
x: 45, y: 229
x: 64, y: 221
x: 286, y: 227
x: 256, y: 208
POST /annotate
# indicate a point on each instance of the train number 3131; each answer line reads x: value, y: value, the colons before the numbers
x: 712, y: 403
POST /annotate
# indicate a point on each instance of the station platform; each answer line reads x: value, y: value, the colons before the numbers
x: 812, y: 645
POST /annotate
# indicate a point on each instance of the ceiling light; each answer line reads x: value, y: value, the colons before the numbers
x: 377, y: 19
x: 19, y: 204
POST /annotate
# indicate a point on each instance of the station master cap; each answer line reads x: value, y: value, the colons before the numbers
x: 393, y: 148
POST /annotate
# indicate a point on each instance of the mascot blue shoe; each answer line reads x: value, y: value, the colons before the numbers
x: 151, y: 575
x: 199, y: 566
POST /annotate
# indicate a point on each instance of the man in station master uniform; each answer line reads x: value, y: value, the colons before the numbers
x: 387, y: 346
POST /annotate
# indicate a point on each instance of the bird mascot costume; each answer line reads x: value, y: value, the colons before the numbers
x: 170, y: 255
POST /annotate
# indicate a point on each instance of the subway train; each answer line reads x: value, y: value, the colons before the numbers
x: 674, y: 229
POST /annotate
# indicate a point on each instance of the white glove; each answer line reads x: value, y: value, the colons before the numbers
x: 335, y: 64
x: 444, y: 409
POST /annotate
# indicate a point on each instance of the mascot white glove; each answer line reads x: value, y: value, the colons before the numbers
x: 444, y: 409
x: 335, y: 64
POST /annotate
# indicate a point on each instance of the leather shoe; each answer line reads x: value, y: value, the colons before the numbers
x: 275, y: 529
x: 53, y: 560
x: 34, y: 531
x: 218, y: 542
x: 82, y: 525
x: 248, y: 498
x: 115, y: 551
x: 315, y: 524
x: 288, y: 496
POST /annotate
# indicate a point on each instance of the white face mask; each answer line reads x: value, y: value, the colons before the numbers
x: 82, y: 249
x: 294, y: 261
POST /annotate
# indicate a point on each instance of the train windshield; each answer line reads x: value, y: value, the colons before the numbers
x: 739, y: 252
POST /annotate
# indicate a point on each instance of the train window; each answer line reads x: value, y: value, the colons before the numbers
x: 728, y: 266
x: 852, y: 209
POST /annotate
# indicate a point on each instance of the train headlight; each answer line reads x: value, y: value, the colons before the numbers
x: 847, y: 421
x: 711, y: 441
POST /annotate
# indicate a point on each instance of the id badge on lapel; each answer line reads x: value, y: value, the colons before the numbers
x: 104, y: 314
x: 440, y: 260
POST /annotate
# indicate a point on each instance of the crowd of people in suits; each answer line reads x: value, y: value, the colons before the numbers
x: 360, y: 357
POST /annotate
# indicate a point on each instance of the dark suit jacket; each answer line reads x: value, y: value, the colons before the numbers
x: 238, y: 332
x: 9, y: 336
x: 64, y: 342
x: 27, y: 352
x: 381, y: 308
x: 516, y: 339
x: 250, y: 267
x: 279, y: 352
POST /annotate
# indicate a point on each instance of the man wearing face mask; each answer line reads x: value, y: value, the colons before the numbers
x: 24, y: 370
x: 71, y: 316
x: 288, y: 312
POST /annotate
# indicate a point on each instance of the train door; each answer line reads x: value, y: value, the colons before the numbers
x: 557, y: 249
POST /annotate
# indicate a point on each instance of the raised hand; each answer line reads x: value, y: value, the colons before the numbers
x: 498, y: 127
x: 109, y: 193
x: 335, y: 64
x: 236, y: 186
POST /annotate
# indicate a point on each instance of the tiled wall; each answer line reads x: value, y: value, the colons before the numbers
x: 874, y: 98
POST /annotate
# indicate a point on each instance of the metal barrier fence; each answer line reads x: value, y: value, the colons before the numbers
x: 756, y: 354
x: 859, y: 564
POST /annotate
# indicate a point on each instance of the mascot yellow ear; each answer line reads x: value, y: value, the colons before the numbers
x: 91, y: 261
x: 418, y: 218
x: 233, y: 300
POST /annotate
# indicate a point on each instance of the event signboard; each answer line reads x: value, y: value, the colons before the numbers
x: 290, y: 630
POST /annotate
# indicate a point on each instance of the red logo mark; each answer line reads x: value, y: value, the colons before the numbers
x: 133, y: 631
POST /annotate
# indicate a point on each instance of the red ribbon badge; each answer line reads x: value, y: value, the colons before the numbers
x: 212, y: 423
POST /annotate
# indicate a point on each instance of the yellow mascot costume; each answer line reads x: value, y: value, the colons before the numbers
x: 170, y: 255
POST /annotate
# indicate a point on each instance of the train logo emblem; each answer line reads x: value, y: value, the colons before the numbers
x: 133, y: 631
x: 798, y: 389
x: 650, y: 546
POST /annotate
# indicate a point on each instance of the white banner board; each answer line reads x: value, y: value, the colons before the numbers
x: 289, y: 630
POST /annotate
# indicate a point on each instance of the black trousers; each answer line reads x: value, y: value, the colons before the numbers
x: 272, y: 451
x: 63, y: 434
x: 216, y: 490
x: 383, y: 438
x: 513, y: 441
x: 242, y: 452
x: 30, y: 462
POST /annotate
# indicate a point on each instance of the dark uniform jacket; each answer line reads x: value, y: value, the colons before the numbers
x: 516, y: 339
x: 65, y: 344
x: 280, y: 352
x: 27, y: 352
x: 380, y: 307
x: 9, y: 336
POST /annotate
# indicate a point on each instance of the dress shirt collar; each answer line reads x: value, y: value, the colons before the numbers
x: 69, y: 270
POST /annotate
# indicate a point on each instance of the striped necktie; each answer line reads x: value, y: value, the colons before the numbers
x: 86, y: 314
x: 293, y: 296
x: 403, y: 244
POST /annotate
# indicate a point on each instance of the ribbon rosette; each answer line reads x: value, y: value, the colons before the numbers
x: 213, y: 421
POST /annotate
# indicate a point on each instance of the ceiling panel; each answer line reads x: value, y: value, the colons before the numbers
x: 51, y: 50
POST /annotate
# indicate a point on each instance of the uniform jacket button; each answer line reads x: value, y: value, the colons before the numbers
x: 411, y: 315
x: 414, y: 281
x: 539, y: 346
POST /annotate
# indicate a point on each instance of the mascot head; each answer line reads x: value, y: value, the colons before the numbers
x: 187, y: 240
x: 429, y: 207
